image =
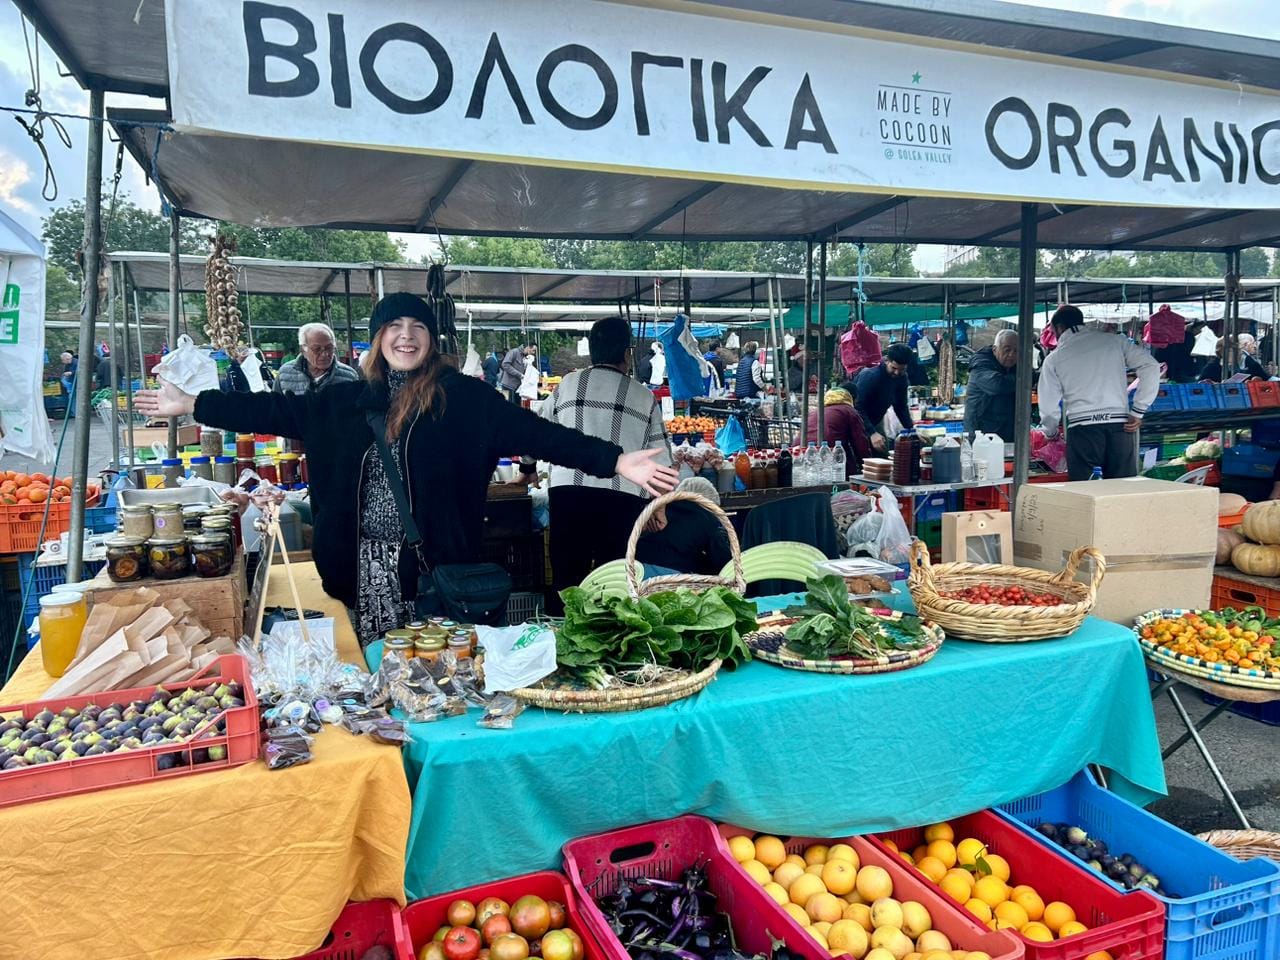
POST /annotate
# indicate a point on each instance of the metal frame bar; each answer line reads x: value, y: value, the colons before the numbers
x: 438, y: 199
x: 1026, y: 336
x: 678, y: 207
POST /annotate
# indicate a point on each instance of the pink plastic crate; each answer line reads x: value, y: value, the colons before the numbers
x: 963, y: 930
x: 596, y: 865
x: 1129, y: 926
x: 361, y: 927
x: 423, y: 918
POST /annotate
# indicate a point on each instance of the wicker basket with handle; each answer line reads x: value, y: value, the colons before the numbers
x: 1003, y: 624
x: 1245, y: 844
x: 620, y: 699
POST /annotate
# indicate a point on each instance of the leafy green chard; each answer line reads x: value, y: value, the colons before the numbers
x: 677, y: 628
x: 831, y: 625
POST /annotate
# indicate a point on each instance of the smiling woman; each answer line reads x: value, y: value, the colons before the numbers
x: 445, y: 432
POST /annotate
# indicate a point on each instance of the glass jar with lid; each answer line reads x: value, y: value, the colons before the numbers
x: 289, y: 473
x: 126, y: 559
x: 173, y: 472
x: 169, y: 557
x: 211, y: 554
x: 224, y: 470
x: 62, y: 618
x: 135, y: 521
x: 211, y: 442
x: 266, y: 468
x: 166, y: 518
x: 399, y: 642
x: 202, y: 467
x: 429, y: 648
x: 246, y: 445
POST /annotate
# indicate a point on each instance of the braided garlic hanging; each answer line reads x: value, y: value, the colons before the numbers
x: 224, y: 328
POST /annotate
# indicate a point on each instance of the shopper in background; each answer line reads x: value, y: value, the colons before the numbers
x: 684, y: 537
x: 1087, y: 374
x: 990, y: 397
x: 491, y: 366
x: 749, y: 380
x: 881, y: 388
x: 446, y: 432
x: 316, y: 366
x: 841, y: 423
x: 513, y: 365
x: 1246, y: 363
x: 68, y: 379
x: 591, y: 516
x: 235, y: 381
x: 658, y: 366
x: 795, y: 370
x: 712, y: 356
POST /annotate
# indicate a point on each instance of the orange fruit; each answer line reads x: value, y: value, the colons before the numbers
x: 1056, y: 914
x: 770, y: 852
x: 933, y: 868
x: 37, y: 494
x: 939, y: 831
x: 40, y: 478
x: 979, y: 909
x: 961, y: 891
x: 1037, y: 933
x: 21, y: 479
x: 999, y: 866
x: 1071, y: 928
x: 1013, y: 913
x: 992, y: 891
x: 1099, y: 955
x: 945, y: 851
x: 8, y: 486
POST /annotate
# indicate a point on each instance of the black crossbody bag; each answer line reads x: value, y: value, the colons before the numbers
x: 464, y: 592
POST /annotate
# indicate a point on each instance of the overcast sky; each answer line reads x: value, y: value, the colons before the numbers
x: 21, y: 168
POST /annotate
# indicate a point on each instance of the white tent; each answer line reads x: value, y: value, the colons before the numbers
x: 22, y: 286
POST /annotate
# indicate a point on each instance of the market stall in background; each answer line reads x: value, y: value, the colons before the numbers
x: 598, y: 744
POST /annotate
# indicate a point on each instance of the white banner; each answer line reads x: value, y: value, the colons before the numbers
x: 619, y: 86
x: 22, y: 416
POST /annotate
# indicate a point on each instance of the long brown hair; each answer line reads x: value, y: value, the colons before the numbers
x: 423, y: 393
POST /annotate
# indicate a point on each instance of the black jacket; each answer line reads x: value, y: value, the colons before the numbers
x: 989, y: 400
x: 877, y: 392
x: 449, y: 460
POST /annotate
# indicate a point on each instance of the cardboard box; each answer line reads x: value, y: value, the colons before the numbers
x: 1159, y: 539
x: 981, y: 525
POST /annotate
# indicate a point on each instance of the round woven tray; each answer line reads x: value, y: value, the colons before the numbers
x: 1245, y: 844
x: 615, y: 700
x: 1219, y: 679
x: 784, y: 656
x: 991, y: 623
x: 554, y: 696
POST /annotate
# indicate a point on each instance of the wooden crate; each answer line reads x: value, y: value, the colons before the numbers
x: 213, y: 599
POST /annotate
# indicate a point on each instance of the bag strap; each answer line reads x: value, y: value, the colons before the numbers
x: 412, y: 538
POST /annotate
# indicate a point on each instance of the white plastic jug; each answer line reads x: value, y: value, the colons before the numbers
x: 988, y: 447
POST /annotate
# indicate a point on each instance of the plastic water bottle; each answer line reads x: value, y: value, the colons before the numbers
x: 839, y: 464
x: 811, y: 477
x: 824, y: 464
x: 966, y: 461
x: 1097, y: 474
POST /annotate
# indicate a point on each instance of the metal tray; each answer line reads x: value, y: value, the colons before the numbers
x: 183, y: 495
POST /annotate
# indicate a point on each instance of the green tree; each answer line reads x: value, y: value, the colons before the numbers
x: 993, y: 262
x: 128, y: 228
x: 498, y: 252
x: 1157, y: 263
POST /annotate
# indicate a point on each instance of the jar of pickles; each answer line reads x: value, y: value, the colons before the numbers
x: 212, y: 554
x: 169, y: 557
x: 126, y: 559
x: 167, y: 519
x: 210, y: 442
x: 135, y: 521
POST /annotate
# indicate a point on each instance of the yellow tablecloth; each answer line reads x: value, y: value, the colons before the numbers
x: 246, y: 862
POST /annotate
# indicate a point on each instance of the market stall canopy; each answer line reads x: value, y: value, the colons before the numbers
x: 1128, y: 135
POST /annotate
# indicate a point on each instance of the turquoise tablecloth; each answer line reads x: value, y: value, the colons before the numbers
x: 786, y: 752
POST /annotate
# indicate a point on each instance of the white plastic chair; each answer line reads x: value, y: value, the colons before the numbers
x: 1196, y: 476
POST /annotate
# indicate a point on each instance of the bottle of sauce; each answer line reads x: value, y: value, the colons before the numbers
x: 771, y: 470
x: 759, y: 476
x: 742, y: 467
x: 784, y: 468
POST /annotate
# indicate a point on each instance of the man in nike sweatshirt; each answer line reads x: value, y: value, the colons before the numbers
x: 1086, y: 375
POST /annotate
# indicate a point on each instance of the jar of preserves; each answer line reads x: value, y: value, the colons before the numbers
x: 460, y: 645
x: 210, y: 442
x: 169, y: 557
x: 202, y: 467
x: 135, y: 521
x: 62, y: 617
x: 246, y: 446
x: 266, y: 467
x: 166, y: 518
x: 399, y: 642
x: 173, y: 472
x: 289, y: 473
x: 429, y: 648
x: 211, y: 554
x: 193, y: 514
x: 224, y: 470
x: 126, y: 559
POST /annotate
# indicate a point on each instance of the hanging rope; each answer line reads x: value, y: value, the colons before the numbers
x: 35, y: 128
x: 862, y: 272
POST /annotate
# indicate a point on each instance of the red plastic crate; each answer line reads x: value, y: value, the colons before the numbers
x: 1264, y: 393
x: 361, y: 927
x: 1232, y: 519
x: 423, y: 918
x: 963, y: 930
x: 1129, y: 926
x: 20, y: 523
x: 84, y: 774
x: 1227, y: 592
x: 1214, y: 477
x: 597, y: 864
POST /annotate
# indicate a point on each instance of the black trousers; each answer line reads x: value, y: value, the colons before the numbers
x: 1104, y: 445
x: 589, y: 527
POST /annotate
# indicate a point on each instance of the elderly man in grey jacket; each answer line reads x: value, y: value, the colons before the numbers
x: 315, y: 366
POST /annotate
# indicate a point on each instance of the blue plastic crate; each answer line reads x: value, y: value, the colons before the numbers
x: 48, y: 576
x: 1249, y: 460
x: 935, y: 505
x: 1198, y: 396
x: 1268, y: 713
x: 1168, y: 397
x: 100, y: 519
x: 1233, y: 396
x: 1227, y: 909
x: 1266, y: 432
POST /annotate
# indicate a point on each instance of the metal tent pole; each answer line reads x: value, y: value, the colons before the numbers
x: 111, y: 359
x: 128, y: 361
x: 175, y: 291
x: 88, y: 314
x: 1026, y: 338
x: 822, y: 336
x: 346, y: 293
x: 808, y: 319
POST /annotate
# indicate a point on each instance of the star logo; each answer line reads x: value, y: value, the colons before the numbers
x: 915, y: 77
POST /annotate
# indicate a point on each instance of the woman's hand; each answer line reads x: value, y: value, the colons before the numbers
x: 168, y: 401
x: 639, y: 467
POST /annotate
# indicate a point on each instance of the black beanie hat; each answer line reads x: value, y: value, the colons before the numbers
x: 401, y: 305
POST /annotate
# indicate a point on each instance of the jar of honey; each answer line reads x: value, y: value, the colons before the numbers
x: 289, y: 472
x: 62, y: 618
x: 246, y: 446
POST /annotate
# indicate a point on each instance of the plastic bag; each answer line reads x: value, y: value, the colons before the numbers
x: 188, y: 368
x: 471, y: 366
x: 925, y: 350
x: 1206, y: 343
x: 731, y: 342
x: 517, y: 656
x: 893, y: 543
x: 529, y: 383
x: 859, y: 348
x: 584, y: 347
x: 251, y: 367
x: 730, y: 438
